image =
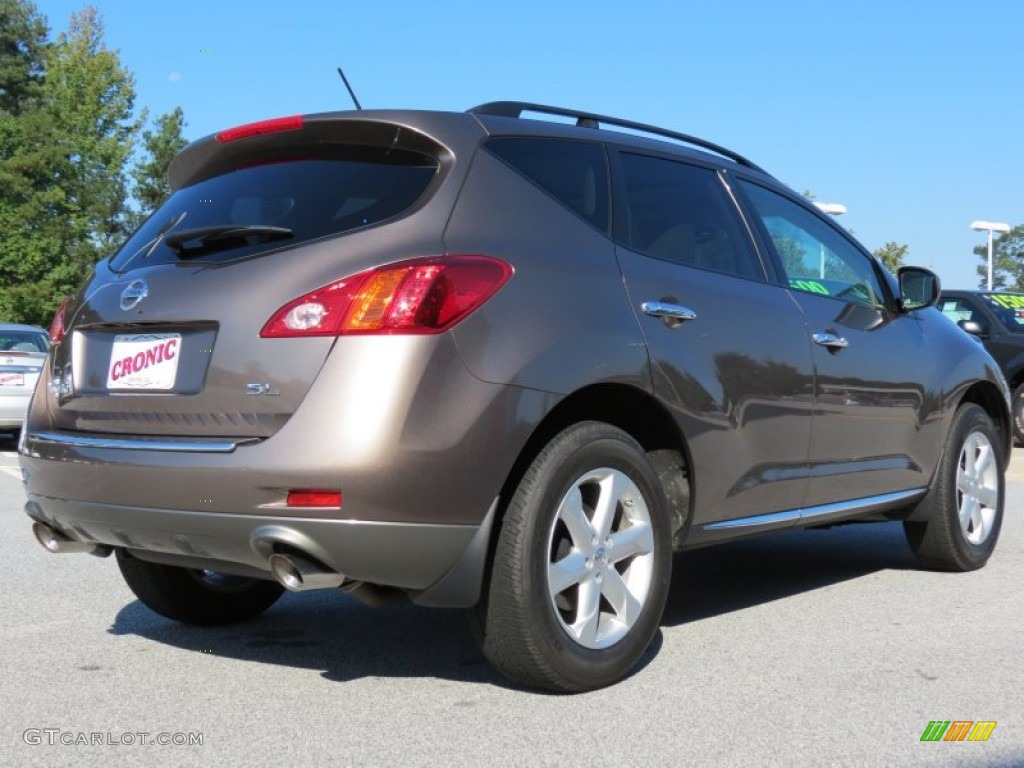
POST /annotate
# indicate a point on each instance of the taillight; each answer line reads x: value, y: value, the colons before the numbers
x: 57, y: 324
x: 276, y: 125
x: 415, y: 297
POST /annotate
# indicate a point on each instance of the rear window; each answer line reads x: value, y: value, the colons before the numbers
x: 23, y: 341
x: 309, y: 197
x: 574, y: 172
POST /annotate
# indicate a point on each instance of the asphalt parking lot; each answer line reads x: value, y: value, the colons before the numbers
x: 806, y: 648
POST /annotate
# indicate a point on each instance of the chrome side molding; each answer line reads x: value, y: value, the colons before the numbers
x: 822, y: 513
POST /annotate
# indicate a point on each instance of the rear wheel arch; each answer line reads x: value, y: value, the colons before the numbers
x: 630, y: 409
x: 633, y: 411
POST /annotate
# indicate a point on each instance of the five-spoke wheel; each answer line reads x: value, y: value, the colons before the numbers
x: 602, y: 558
x: 955, y: 527
x: 582, y: 564
x: 978, y: 486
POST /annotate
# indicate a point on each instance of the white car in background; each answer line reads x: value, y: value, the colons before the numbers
x: 23, y: 350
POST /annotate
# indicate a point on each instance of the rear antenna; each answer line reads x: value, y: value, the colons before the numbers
x: 350, y: 91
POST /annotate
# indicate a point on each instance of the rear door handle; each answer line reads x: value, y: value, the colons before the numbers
x: 830, y: 340
x: 667, y: 311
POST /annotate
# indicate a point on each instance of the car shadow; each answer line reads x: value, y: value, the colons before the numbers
x: 333, y: 633
x: 346, y: 640
x: 731, y: 577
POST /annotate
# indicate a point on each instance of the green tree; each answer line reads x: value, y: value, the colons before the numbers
x: 63, y: 173
x: 1007, y: 260
x: 893, y: 255
x: 23, y: 36
x: 150, y: 173
x: 24, y: 183
x: 91, y: 98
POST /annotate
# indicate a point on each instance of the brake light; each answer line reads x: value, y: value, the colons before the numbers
x: 410, y: 297
x: 276, y: 125
x: 311, y: 498
x: 57, y: 324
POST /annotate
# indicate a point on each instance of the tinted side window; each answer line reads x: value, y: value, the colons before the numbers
x: 958, y: 310
x: 341, y: 190
x: 815, y: 257
x: 1009, y: 308
x: 575, y: 172
x: 682, y: 213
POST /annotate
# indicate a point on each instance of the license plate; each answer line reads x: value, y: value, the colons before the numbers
x: 12, y: 379
x: 146, y: 361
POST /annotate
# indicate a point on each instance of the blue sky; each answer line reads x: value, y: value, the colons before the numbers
x: 910, y: 113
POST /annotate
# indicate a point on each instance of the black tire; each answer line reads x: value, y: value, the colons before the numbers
x: 1018, y: 415
x: 197, y: 597
x: 528, y: 634
x: 941, y: 541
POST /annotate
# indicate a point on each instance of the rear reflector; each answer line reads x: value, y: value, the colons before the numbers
x: 410, y: 297
x: 307, y: 498
x: 276, y: 125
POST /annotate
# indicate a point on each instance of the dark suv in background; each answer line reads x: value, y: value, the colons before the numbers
x: 504, y: 364
x: 997, y: 318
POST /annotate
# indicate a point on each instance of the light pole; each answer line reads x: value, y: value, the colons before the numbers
x: 990, y: 227
x: 832, y: 209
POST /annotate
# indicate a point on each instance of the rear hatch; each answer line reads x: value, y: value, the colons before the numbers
x: 165, y: 337
x: 22, y: 352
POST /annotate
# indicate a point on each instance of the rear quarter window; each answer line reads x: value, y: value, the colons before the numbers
x: 573, y: 172
x: 314, y: 197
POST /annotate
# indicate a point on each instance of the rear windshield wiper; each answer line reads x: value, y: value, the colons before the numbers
x: 222, y: 237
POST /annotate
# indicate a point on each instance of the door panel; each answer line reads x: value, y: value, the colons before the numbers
x: 730, y: 356
x: 872, y: 363
x: 871, y: 412
x: 738, y: 380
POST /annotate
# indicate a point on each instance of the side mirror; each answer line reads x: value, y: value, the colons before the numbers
x: 919, y: 288
x: 974, y: 328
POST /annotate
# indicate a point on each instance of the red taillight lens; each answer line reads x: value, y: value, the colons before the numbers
x: 416, y: 296
x: 276, y: 125
x: 310, y: 498
x: 57, y: 324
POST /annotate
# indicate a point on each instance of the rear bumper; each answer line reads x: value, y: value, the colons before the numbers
x: 419, y: 457
x: 416, y: 557
x: 13, y: 407
x: 418, y: 447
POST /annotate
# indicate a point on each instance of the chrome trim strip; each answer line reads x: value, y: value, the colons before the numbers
x: 836, y: 509
x: 186, y: 445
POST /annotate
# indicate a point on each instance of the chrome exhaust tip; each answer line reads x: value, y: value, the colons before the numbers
x: 298, y: 574
x: 56, y: 542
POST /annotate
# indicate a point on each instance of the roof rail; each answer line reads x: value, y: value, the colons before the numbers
x: 591, y: 120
